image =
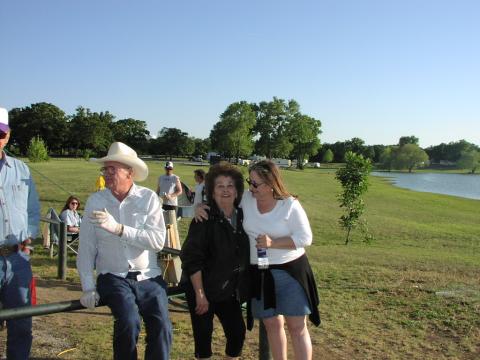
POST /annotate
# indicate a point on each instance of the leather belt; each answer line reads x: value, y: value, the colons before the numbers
x: 6, y: 250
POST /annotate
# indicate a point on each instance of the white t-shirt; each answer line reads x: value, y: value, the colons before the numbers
x: 198, y: 193
x: 287, y: 218
x: 168, y: 184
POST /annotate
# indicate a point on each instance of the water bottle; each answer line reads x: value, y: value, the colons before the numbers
x: 262, y: 259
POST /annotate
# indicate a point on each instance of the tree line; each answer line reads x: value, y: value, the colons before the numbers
x: 275, y: 129
x: 406, y: 154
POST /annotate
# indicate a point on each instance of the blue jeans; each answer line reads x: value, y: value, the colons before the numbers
x: 15, y: 279
x: 129, y: 299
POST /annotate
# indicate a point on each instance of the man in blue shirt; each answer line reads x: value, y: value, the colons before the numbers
x: 19, y: 222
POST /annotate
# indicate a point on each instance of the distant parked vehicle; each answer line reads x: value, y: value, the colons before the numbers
x: 282, y: 162
x: 196, y: 158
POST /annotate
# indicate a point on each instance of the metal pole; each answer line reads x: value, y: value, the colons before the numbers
x: 63, y: 306
x: 62, y: 252
x: 263, y: 348
x: 171, y: 251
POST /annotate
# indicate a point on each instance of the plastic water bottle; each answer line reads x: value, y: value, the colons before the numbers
x: 262, y: 259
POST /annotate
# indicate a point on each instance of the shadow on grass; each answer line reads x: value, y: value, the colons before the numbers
x: 52, y: 283
x: 41, y: 261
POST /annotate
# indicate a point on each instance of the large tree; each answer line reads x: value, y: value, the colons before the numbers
x: 90, y: 131
x: 469, y: 159
x: 387, y: 157
x: 408, y: 140
x: 133, y: 133
x: 272, y: 127
x: 233, y: 134
x: 202, y: 146
x: 355, y: 145
x: 410, y: 156
x: 303, y: 133
x: 41, y: 119
x: 173, y: 141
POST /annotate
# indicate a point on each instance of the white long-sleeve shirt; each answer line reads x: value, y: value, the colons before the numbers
x: 143, y: 236
x: 287, y: 218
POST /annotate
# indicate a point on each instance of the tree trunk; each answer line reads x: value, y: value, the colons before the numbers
x: 348, y: 236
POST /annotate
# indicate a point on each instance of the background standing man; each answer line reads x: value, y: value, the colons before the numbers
x: 169, y: 188
x: 19, y: 222
x: 123, y: 231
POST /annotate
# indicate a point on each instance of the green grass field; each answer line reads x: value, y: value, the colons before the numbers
x: 413, y: 293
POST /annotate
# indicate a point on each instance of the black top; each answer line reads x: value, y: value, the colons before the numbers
x: 221, y: 251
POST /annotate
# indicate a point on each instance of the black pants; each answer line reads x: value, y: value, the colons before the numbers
x: 229, y: 312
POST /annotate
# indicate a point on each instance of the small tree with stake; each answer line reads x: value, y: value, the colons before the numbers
x: 354, y: 180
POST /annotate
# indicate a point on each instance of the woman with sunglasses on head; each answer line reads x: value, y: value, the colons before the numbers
x: 70, y: 215
x: 284, y: 291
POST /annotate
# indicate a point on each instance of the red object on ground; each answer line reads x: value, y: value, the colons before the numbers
x: 33, y: 291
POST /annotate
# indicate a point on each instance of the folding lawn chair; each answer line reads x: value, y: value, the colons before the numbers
x: 72, y: 238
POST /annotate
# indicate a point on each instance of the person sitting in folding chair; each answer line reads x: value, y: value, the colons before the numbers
x: 71, y: 217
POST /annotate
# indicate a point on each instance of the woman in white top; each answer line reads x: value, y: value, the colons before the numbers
x: 286, y: 291
x: 70, y: 215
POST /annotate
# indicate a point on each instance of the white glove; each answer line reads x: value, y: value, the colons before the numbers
x: 104, y: 220
x: 89, y: 299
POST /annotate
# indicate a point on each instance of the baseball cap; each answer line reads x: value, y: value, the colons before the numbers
x: 169, y: 165
x: 4, y: 120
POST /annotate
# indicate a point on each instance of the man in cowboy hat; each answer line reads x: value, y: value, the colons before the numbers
x: 19, y: 220
x: 125, y: 231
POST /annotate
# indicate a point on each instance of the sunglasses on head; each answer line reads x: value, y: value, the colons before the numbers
x: 253, y: 183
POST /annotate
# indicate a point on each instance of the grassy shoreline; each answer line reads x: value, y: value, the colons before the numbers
x: 414, y: 293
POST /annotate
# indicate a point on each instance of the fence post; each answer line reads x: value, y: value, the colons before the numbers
x: 263, y: 349
x: 62, y: 252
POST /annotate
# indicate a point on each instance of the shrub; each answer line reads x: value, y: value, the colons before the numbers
x: 37, y: 151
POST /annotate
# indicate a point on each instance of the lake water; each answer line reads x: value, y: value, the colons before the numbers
x: 463, y: 185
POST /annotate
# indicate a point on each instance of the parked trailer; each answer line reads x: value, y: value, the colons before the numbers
x: 282, y: 162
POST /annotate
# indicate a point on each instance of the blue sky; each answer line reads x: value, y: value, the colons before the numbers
x: 376, y: 70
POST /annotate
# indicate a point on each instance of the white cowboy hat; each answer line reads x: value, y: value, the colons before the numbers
x: 126, y: 155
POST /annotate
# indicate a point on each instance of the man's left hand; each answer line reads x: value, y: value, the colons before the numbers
x: 103, y: 219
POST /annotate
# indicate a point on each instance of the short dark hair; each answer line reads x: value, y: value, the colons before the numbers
x: 224, y: 168
x: 200, y: 173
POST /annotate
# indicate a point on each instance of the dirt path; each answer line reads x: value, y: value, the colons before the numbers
x: 52, y: 334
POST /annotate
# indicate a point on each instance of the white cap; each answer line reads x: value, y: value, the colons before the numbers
x: 4, y: 120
